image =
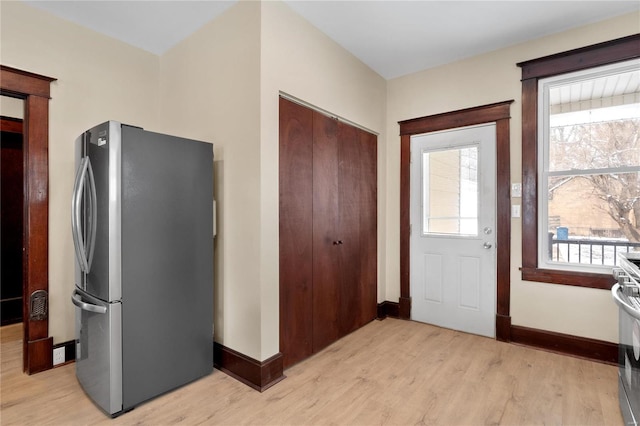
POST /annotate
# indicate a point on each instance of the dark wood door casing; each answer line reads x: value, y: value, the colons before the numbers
x: 498, y: 113
x: 335, y: 198
x: 34, y: 90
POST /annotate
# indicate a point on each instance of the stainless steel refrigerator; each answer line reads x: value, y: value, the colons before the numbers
x: 142, y: 224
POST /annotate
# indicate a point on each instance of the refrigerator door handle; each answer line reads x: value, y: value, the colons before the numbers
x: 83, y: 257
x: 93, y: 203
x: 76, y: 214
x: 76, y: 298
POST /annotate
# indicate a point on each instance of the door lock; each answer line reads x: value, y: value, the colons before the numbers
x: 487, y: 245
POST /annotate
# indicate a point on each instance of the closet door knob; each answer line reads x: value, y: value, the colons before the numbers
x: 340, y: 242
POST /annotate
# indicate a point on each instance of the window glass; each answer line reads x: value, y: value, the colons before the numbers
x: 590, y: 162
x: 450, y: 191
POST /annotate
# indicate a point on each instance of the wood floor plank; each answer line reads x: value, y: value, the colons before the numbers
x: 390, y: 372
x: 11, y: 333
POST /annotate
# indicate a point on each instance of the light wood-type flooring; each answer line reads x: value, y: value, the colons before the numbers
x: 390, y: 372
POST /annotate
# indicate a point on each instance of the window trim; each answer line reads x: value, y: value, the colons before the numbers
x: 606, y: 53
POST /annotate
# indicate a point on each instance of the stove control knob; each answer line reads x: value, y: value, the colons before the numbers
x: 617, y: 272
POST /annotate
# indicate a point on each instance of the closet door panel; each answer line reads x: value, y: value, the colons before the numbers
x: 326, y: 275
x: 368, y: 227
x: 349, y: 302
x: 296, y: 232
x: 328, y: 230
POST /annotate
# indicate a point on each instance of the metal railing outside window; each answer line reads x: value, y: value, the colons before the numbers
x: 588, y: 251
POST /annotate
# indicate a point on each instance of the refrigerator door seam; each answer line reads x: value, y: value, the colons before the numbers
x: 115, y: 210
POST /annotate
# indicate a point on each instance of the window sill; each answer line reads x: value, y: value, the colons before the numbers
x: 578, y: 279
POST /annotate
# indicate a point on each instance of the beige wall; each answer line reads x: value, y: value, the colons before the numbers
x: 299, y: 60
x: 211, y: 91
x: 485, y: 79
x: 98, y: 79
x: 221, y: 85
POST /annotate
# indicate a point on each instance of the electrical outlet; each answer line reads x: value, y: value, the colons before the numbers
x: 58, y: 355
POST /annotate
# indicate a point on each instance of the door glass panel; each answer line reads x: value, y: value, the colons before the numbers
x: 450, y: 191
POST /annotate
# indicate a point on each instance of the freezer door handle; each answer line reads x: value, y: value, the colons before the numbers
x: 624, y: 305
x: 76, y: 298
x: 84, y: 255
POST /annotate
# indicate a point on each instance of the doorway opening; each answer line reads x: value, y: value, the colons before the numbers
x: 11, y: 205
x: 498, y: 113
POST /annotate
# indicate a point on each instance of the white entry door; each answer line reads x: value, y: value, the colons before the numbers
x: 453, y: 222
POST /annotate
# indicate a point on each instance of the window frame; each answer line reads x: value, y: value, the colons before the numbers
x: 596, y: 55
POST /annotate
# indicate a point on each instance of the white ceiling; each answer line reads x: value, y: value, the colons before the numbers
x: 154, y: 26
x: 392, y: 37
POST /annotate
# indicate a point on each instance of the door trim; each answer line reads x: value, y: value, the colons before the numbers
x: 34, y: 89
x: 498, y: 113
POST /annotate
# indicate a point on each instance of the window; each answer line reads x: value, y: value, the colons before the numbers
x: 580, y: 160
x: 589, y: 158
x: 450, y: 199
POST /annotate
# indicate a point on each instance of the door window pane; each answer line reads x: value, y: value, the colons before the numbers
x: 450, y: 191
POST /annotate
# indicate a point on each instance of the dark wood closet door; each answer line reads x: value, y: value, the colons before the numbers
x: 357, y: 253
x: 368, y: 288
x: 327, y: 280
x: 296, y: 201
x: 348, y: 232
x: 328, y: 238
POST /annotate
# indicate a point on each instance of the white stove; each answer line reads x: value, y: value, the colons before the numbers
x: 626, y: 294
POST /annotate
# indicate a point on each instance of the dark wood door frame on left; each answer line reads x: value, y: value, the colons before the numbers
x: 498, y: 113
x: 34, y: 89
